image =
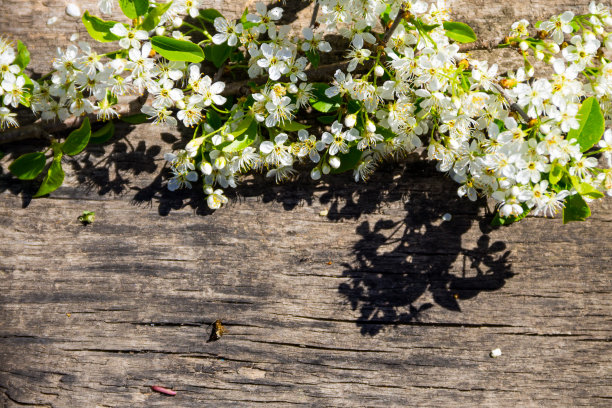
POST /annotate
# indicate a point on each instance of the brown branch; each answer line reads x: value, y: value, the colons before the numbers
x: 396, y: 22
x: 480, y: 45
x: 513, y: 105
x: 315, y: 11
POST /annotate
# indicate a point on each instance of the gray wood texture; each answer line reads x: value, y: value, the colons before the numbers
x: 377, y: 303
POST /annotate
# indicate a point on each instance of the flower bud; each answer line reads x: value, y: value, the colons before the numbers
x: 350, y: 120
x: 334, y: 162
x: 206, y: 168
x: 539, y: 55
x: 379, y: 71
x: 524, y: 46
x: 160, y: 30
x: 177, y: 22
x: 370, y: 126
x: 220, y: 162
x: 208, y: 189
x: 554, y: 48
x: 315, y: 173
x: 325, y: 168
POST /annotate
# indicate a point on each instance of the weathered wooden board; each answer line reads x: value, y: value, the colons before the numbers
x: 380, y: 302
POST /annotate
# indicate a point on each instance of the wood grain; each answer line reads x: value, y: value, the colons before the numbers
x: 379, y: 302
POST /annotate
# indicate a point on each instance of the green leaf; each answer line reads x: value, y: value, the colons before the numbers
x: 28, y: 166
x: 246, y: 139
x: 387, y: 134
x: 23, y: 55
x: 556, y: 172
x: 323, y: 106
x: 592, y: 125
x: 134, y: 8
x: 585, y: 189
x: 153, y: 17
x: 348, y: 161
x: 291, y: 126
x: 209, y: 15
x: 99, y: 29
x: 246, y: 24
x: 320, y: 101
x: 459, y: 32
x: 314, y: 58
x: 78, y: 139
x: 213, y: 119
x: 217, y: 53
x: 385, y: 16
x: 54, y: 178
x: 242, y: 126
x: 87, y: 217
x: 576, y: 209
x: 354, y: 106
x: 177, y: 50
x: 136, y: 119
x: 327, y: 120
x: 498, y: 220
x: 104, y: 134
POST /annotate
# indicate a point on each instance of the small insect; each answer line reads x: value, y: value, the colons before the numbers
x: 217, y: 331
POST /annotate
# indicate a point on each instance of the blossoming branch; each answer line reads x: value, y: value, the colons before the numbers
x: 528, y: 142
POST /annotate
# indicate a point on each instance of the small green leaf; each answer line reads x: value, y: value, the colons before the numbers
x: 314, y: 58
x: 54, y: 178
x: 323, y: 106
x: 28, y: 166
x: 23, y: 56
x: 387, y: 134
x: 136, y: 119
x: 87, y: 217
x: 217, y: 53
x: 327, y: 120
x: 244, y: 140
x: 322, y: 102
x: 576, y: 209
x: 348, y: 161
x: 246, y: 24
x: 556, y: 172
x: 99, y: 29
x: 213, y: 119
x: 242, y: 126
x: 459, y: 32
x: 498, y: 220
x: 592, y: 125
x: 104, y: 134
x: 587, y: 190
x: 385, y: 18
x: 291, y: 126
x: 153, y: 17
x: 78, y: 139
x: 177, y: 50
x: 209, y: 15
x: 134, y: 8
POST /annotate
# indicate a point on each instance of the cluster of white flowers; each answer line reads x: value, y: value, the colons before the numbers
x: 12, y: 85
x: 501, y: 136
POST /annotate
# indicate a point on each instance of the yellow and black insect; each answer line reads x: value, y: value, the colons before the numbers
x: 217, y: 331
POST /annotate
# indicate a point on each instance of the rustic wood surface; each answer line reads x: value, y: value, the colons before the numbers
x: 379, y: 302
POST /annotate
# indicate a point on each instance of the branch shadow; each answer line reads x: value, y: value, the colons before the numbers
x: 403, y: 268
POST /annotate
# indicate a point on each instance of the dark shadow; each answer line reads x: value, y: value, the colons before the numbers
x: 398, y: 262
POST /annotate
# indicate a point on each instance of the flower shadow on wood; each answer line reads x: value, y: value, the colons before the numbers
x: 398, y: 263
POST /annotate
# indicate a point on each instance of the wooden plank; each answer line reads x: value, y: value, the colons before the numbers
x: 378, y: 303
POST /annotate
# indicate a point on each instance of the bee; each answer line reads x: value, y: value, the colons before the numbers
x: 217, y: 331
